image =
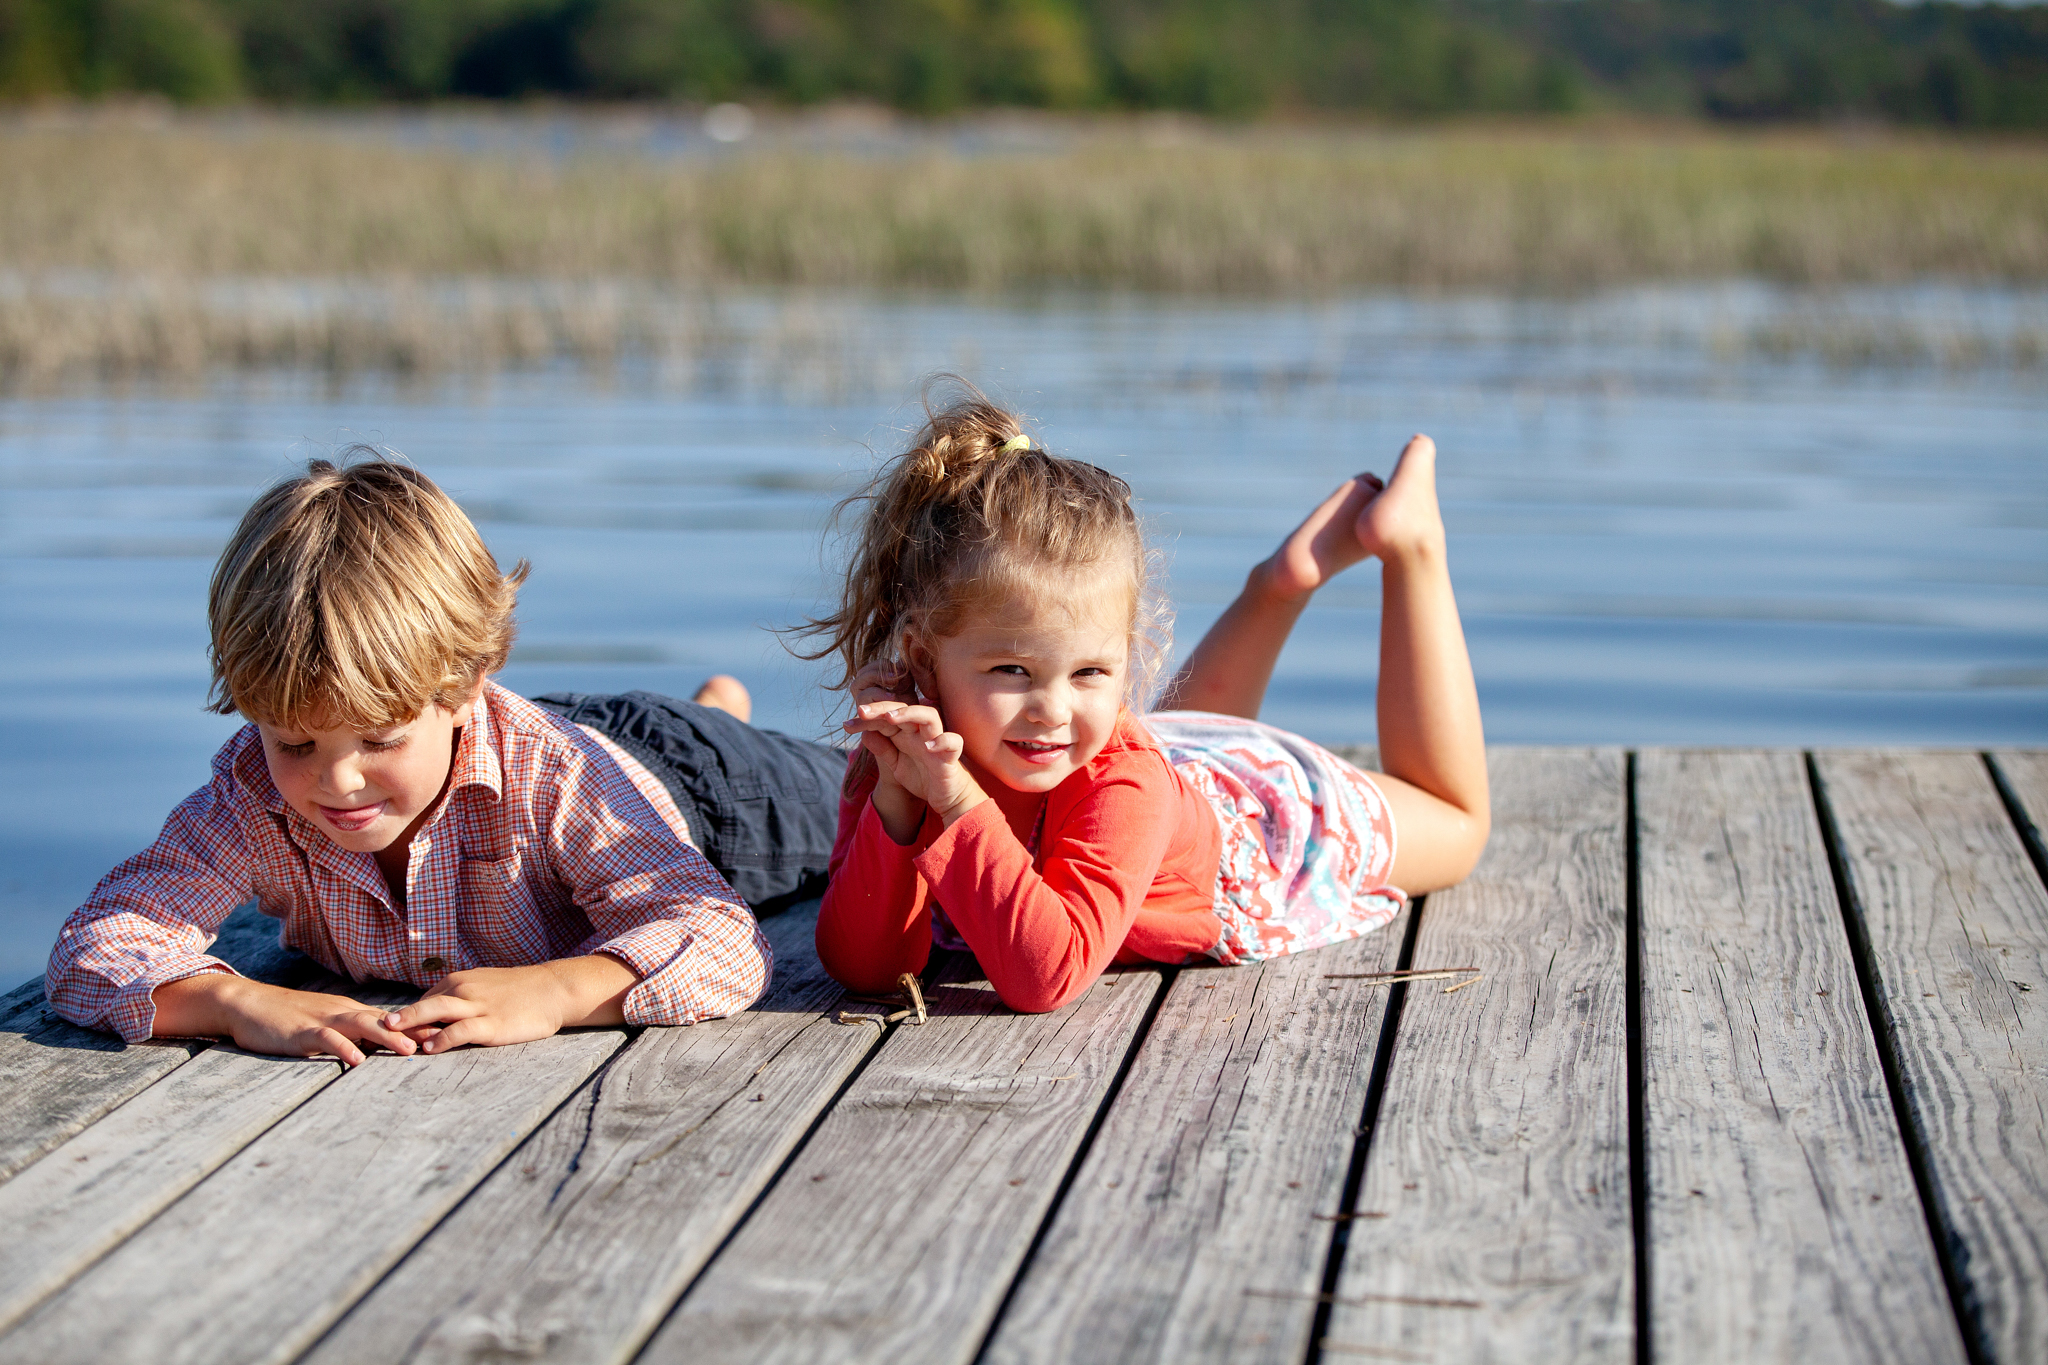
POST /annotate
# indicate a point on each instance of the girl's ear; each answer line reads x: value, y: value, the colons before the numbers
x: 917, y: 657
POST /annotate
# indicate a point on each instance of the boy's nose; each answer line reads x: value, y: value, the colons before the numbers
x: 342, y: 776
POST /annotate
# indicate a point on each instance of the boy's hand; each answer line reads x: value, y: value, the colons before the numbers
x: 920, y: 756
x: 493, y: 1006
x: 273, y: 1019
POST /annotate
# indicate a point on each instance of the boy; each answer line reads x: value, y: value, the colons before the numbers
x: 409, y: 820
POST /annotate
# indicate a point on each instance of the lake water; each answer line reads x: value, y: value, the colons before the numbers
x: 1714, y: 516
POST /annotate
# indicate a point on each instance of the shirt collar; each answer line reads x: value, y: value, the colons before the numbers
x: 477, y: 760
x: 253, y: 770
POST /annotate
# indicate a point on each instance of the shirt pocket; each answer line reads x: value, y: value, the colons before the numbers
x: 496, y: 915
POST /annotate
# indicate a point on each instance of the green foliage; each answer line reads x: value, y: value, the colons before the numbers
x: 1954, y: 64
x: 185, y: 49
x: 1963, y: 65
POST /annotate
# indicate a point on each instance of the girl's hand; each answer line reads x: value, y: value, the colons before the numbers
x: 919, y: 757
x: 884, y: 680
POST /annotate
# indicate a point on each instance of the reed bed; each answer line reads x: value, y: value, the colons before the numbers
x: 789, y: 342
x: 1252, y: 211
x: 189, y: 247
x: 144, y: 327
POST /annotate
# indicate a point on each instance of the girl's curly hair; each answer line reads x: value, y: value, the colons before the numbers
x: 973, y: 515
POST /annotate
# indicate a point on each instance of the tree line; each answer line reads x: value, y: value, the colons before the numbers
x: 1959, y: 65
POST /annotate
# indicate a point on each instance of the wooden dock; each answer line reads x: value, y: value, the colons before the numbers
x: 1755, y: 1069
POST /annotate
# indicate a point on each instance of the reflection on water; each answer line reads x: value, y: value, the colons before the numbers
x: 1656, y: 538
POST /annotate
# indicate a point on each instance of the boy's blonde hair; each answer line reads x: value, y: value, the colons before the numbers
x: 973, y: 515
x: 356, y: 595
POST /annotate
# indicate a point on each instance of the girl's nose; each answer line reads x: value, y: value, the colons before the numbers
x: 1052, y: 704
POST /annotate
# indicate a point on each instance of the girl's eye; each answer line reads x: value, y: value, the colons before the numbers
x: 379, y: 746
x: 1013, y: 670
x: 299, y: 750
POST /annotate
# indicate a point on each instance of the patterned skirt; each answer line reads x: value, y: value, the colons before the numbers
x: 1308, y: 840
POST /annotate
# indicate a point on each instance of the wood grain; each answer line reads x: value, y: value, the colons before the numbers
x: 577, y: 1246
x: 2025, y: 772
x: 1498, y: 1171
x: 895, y: 1233
x: 1957, y: 926
x: 58, y: 1077
x: 1190, y: 1233
x: 78, y: 1202
x: 255, y: 1262
x: 1784, y: 1224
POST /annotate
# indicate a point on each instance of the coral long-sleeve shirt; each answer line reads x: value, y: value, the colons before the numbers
x: 1125, y: 871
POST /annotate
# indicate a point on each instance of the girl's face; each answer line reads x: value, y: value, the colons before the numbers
x: 1034, y: 689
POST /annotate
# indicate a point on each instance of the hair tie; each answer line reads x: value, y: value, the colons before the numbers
x: 1018, y: 442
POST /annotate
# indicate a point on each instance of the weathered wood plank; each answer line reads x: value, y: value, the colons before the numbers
x: 1190, y: 1232
x: 1957, y: 926
x: 896, y: 1231
x: 1234, y: 1127
x: 1494, y: 1218
x: 2025, y: 773
x: 1784, y: 1224
x: 255, y: 1262
x: 58, y: 1077
x: 79, y: 1201
x: 577, y: 1246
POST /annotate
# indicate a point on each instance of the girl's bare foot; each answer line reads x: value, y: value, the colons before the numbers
x: 1366, y: 516
x: 724, y: 692
x: 1405, y: 520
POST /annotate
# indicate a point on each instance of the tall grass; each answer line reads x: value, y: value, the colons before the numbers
x: 188, y: 247
x: 1233, y: 212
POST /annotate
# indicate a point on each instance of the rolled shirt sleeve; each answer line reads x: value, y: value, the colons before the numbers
x: 150, y: 920
x: 653, y: 901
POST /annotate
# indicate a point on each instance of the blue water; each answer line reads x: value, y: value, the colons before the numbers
x: 1655, y: 540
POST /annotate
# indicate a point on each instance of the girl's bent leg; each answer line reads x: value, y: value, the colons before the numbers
x: 1431, y: 745
x: 1229, y: 670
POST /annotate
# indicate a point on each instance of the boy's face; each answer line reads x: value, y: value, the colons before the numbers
x: 370, y: 791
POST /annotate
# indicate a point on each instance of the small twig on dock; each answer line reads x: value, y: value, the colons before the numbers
x: 1463, y: 984
x: 1359, y: 1300
x: 1389, y: 978
x: 1353, y: 1348
x: 916, y: 994
x: 1347, y: 1217
x: 849, y: 1017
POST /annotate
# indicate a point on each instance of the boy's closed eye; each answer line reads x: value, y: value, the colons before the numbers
x: 301, y: 748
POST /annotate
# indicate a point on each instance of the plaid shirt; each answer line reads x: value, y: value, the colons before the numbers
x: 541, y: 848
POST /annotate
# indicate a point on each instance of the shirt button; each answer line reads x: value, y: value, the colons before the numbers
x: 435, y: 965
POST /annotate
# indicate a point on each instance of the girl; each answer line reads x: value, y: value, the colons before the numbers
x: 995, y: 628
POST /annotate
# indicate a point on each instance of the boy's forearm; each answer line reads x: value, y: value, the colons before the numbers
x: 594, y: 989
x: 198, y: 1006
